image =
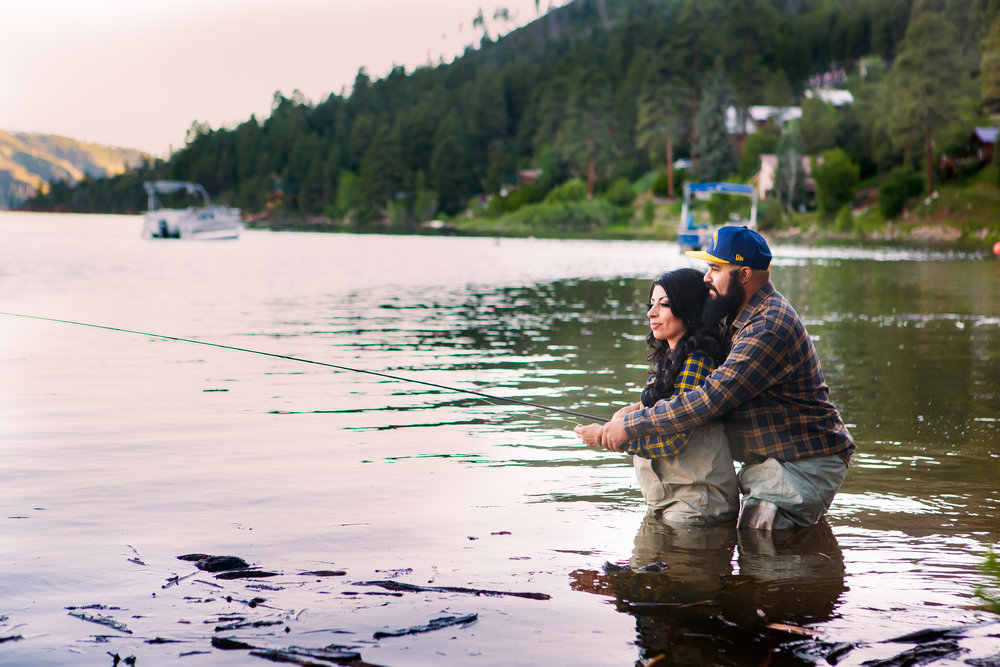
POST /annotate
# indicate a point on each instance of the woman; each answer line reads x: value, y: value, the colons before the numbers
x: 687, y: 477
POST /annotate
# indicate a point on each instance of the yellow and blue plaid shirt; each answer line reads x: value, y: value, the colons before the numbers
x: 693, y: 372
x: 770, y: 390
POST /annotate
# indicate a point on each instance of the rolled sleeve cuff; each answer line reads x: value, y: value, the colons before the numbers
x: 637, y: 423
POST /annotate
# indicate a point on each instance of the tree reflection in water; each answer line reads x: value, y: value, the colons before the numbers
x: 706, y: 595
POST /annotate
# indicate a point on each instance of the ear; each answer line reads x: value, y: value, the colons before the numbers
x: 746, y: 273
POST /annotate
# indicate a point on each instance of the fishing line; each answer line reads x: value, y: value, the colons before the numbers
x: 311, y: 361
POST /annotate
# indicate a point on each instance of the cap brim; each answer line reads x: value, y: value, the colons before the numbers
x: 702, y: 255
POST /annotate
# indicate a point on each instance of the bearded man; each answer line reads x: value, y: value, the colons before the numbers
x: 770, y: 393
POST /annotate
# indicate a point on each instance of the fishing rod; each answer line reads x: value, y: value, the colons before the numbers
x: 309, y: 361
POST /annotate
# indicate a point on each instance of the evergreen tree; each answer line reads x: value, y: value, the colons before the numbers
x: 379, y: 179
x: 586, y: 137
x: 790, y: 176
x: 448, y: 166
x: 665, y: 106
x: 919, y: 94
x: 749, y: 35
x: 818, y: 125
x: 989, y: 66
x: 716, y: 155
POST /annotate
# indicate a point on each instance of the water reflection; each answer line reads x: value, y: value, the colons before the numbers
x: 276, y: 466
x: 712, y: 595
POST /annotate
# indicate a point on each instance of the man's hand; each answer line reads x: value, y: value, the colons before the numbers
x: 612, y: 435
x: 620, y: 414
x: 589, y: 434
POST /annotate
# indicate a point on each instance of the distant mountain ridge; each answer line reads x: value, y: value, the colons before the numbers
x: 30, y: 162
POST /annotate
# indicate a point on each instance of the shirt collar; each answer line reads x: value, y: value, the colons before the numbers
x: 758, y: 298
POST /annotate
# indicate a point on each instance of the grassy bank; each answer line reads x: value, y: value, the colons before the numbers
x: 963, y: 215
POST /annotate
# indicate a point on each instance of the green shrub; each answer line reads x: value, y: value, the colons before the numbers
x: 990, y: 593
x: 836, y: 177
x: 620, y: 193
x: 901, y: 184
x: 844, y: 223
x: 570, y: 216
x: 572, y: 190
x: 648, y: 213
x: 768, y: 215
x: 661, y: 185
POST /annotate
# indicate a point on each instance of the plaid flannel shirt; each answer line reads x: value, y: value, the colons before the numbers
x: 693, y: 372
x: 770, y: 390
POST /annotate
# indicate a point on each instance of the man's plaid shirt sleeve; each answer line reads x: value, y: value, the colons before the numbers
x: 754, y: 363
x: 696, y: 368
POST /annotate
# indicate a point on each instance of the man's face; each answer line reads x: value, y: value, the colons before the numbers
x: 718, y: 278
x: 725, y: 292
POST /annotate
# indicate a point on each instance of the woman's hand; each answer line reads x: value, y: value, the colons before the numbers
x: 595, y: 435
x: 589, y: 434
x: 627, y: 409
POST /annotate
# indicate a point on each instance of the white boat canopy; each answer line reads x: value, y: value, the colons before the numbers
x: 166, y: 187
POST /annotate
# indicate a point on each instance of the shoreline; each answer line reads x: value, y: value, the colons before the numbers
x: 922, y: 237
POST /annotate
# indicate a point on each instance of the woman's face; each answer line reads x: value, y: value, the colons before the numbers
x: 664, y: 324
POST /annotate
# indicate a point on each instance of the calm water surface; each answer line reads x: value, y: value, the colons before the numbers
x: 120, y: 452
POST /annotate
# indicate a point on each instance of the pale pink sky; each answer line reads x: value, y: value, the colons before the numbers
x: 137, y: 73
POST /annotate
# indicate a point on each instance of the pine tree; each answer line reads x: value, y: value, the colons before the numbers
x: 716, y: 156
x: 790, y: 176
x: 919, y: 95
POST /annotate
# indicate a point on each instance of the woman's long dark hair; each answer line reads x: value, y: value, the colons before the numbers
x: 687, y: 293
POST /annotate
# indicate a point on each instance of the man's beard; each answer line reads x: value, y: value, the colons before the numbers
x: 726, y: 305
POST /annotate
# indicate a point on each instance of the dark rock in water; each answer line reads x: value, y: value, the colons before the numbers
x: 921, y: 654
x: 931, y: 634
x: 227, y: 644
x: 325, y: 573
x: 614, y: 567
x: 813, y: 650
x: 988, y: 661
x: 194, y: 557
x: 245, y: 574
x: 658, y: 566
x: 221, y: 563
x: 11, y: 638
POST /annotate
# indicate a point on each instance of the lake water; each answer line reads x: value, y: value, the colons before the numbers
x: 120, y: 452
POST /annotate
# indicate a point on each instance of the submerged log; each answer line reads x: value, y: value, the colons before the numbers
x: 433, y: 624
x: 245, y: 574
x: 106, y: 621
x: 400, y: 586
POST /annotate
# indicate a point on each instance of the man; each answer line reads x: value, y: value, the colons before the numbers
x: 770, y: 392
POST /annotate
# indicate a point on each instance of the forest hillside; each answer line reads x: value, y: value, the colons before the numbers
x: 596, y: 94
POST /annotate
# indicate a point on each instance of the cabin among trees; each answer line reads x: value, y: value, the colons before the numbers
x: 981, y: 143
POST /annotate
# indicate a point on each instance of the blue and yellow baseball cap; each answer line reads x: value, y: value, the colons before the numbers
x: 741, y: 246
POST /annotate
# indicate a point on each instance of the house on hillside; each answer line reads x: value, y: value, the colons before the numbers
x: 981, y: 143
x: 979, y: 150
x: 834, y: 96
x: 760, y: 115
